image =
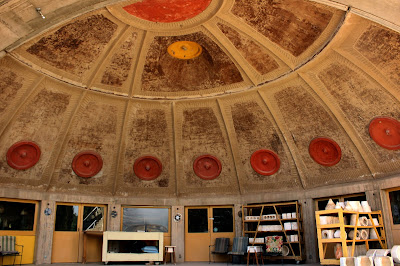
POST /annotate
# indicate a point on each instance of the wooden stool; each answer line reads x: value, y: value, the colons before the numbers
x: 169, y: 250
x: 253, y: 250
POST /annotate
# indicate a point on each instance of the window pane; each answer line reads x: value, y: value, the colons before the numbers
x: 197, y: 221
x: 394, y: 198
x: 145, y: 220
x: 356, y: 198
x: 93, y: 218
x: 66, y: 218
x: 17, y: 215
x: 223, y: 220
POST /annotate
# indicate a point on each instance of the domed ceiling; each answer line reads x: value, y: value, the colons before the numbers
x: 255, y: 96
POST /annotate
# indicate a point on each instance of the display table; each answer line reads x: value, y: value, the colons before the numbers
x: 126, y: 246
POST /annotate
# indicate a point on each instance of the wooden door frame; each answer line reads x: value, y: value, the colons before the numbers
x: 209, y: 219
x: 387, y: 191
x: 80, y: 213
x: 76, y: 232
x: 80, y: 231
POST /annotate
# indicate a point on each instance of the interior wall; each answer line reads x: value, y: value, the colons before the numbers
x: 374, y: 190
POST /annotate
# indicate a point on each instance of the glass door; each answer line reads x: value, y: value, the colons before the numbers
x: 202, y: 226
x: 72, y: 220
x: 197, y: 233
x: 222, y: 225
x: 66, y: 234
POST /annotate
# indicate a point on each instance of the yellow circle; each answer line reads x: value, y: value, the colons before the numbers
x: 185, y: 50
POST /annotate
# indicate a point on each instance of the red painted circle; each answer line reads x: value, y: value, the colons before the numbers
x: 325, y: 151
x: 207, y: 167
x: 23, y: 155
x: 147, y: 168
x: 87, y: 164
x: 385, y: 131
x: 167, y: 10
x: 265, y: 162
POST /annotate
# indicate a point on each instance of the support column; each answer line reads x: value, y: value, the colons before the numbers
x: 44, y: 235
x: 178, y: 232
x: 374, y: 199
x: 114, y: 223
x: 309, y: 228
x: 237, y: 213
x: 386, y: 218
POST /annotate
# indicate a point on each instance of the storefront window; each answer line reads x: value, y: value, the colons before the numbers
x: 394, y: 197
x: 145, y: 220
x: 17, y: 216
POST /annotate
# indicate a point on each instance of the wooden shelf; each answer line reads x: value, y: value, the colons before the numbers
x: 340, y: 214
x: 330, y: 212
x: 279, y: 231
x: 329, y: 262
x: 250, y: 227
x: 323, y: 226
x: 339, y: 240
x: 363, y: 227
x: 366, y: 240
x: 348, y: 226
x: 275, y: 220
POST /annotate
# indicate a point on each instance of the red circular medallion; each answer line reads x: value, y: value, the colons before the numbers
x: 23, y: 155
x: 147, y: 168
x: 87, y: 164
x: 325, y: 151
x: 167, y: 11
x: 207, y: 167
x: 265, y: 162
x: 385, y: 131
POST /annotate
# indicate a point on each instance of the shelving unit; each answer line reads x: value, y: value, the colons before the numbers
x: 251, y: 227
x: 341, y: 214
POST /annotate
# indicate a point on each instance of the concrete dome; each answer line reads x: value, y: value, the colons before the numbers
x: 271, y: 76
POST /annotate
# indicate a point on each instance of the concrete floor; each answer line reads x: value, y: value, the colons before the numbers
x: 169, y: 264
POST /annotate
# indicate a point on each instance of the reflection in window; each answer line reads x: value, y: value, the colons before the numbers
x: 394, y: 197
x: 223, y: 220
x: 66, y: 218
x: 93, y: 218
x: 145, y: 220
x: 198, y: 220
x: 17, y: 216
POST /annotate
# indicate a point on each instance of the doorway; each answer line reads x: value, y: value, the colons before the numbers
x: 202, y: 226
x: 72, y: 220
x: 393, y: 197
